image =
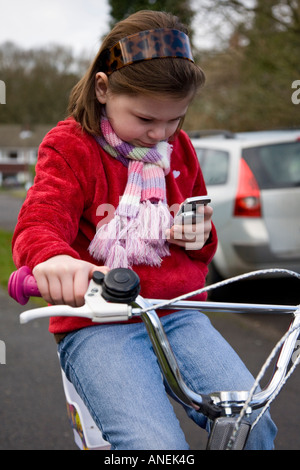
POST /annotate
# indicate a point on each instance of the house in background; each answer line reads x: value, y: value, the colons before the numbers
x: 18, y: 152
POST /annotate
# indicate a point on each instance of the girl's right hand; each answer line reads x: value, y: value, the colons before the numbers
x: 192, y: 236
x: 64, y: 280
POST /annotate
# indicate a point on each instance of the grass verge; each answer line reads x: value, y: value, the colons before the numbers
x: 6, y: 262
x: 7, y: 265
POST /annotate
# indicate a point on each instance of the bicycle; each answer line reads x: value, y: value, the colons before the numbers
x: 115, y: 297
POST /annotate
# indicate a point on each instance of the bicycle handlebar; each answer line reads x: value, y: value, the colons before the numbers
x: 22, y: 285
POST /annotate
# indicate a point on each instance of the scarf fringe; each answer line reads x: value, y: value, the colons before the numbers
x: 141, y: 240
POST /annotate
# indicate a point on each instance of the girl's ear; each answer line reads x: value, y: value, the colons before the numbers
x: 101, y: 87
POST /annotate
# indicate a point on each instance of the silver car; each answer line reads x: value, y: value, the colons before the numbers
x: 253, y: 180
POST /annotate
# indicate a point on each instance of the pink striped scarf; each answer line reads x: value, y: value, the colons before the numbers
x: 136, y: 234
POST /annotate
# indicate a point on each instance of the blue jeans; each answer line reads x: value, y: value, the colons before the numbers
x: 115, y: 371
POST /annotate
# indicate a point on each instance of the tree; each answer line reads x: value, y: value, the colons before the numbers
x: 38, y: 83
x: 250, y: 76
x: 270, y: 63
x: 180, y: 8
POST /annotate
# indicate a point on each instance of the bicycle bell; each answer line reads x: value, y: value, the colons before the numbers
x: 119, y: 285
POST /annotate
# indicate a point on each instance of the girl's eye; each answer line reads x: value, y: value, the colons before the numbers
x: 145, y: 119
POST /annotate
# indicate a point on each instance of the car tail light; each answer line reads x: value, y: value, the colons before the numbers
x: 247, y: 201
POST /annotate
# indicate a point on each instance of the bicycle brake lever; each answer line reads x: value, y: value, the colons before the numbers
x: 54, y: 311
x: 96, y: 308
x: 103, y: 311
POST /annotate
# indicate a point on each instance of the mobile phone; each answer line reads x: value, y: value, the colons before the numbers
x: 188, y: 210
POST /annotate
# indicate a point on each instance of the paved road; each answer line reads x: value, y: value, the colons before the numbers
x: 9, y: 210
x: 32, y: 406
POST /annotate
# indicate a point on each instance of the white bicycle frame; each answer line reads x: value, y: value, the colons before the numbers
x: 225, y: 409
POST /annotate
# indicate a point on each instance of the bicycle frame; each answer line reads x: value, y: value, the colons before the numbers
x: 225, y: 409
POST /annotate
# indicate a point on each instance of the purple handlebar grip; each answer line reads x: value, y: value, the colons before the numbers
x: 22, y: 285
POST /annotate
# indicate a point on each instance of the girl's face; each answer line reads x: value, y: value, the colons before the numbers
x: 141, y: 120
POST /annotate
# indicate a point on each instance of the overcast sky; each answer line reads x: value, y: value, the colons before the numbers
x: 35, y: 23
x: 79, y: 24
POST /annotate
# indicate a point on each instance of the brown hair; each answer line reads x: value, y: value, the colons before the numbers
x: 176, y: 77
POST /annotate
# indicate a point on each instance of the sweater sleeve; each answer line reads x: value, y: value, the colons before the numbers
x: 49, y: 218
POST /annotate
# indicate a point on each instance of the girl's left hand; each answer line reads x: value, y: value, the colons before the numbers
x: 192, y: 236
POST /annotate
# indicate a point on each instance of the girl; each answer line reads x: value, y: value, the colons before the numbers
x: 106, y: 180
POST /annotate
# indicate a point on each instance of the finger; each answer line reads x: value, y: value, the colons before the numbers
x: 191, y: 232
x: 55, y: 290
x: 200, y: 209
x: 102, y: 269
x: 207, y: 230
x: 208, y: 212
x: 42, y: 283
x: 81, y: 282
x: 67, y: 289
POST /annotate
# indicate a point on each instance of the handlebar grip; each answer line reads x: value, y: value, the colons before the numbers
x: 120, y: 285
x: 22, y: 285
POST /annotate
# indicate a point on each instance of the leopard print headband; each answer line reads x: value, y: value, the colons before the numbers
x: 146, y: 45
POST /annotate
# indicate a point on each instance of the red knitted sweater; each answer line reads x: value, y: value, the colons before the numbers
x: 74, y: 179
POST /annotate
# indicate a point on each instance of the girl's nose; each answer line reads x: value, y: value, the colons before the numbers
x: 157, y: 133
